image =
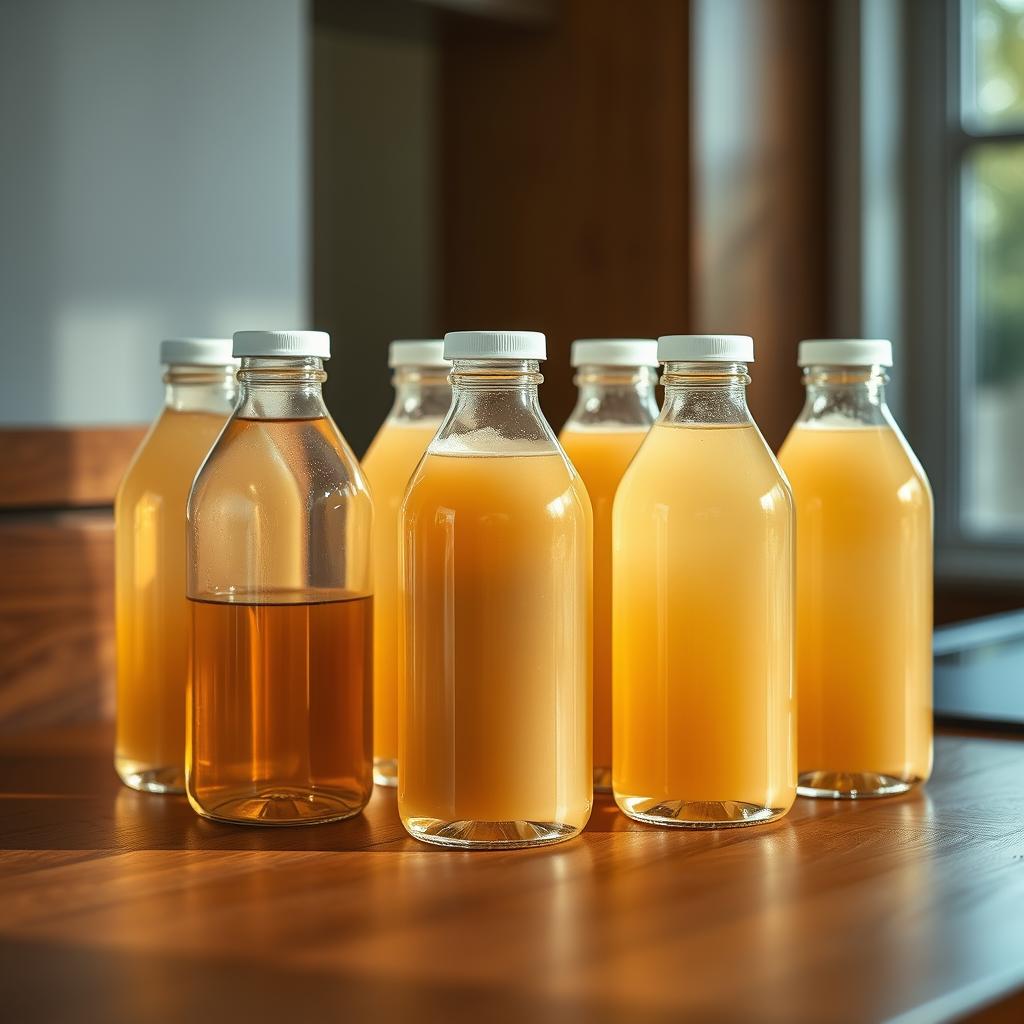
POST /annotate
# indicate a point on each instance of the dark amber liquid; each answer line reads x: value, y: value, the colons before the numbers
x: 280, y: 710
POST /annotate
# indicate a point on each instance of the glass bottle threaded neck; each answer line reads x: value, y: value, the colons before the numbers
x: 187, y: 375
x: 854, y: 393
x: 420, y: 376
x: 420, y: 392
x: 281, y: 387
x: 189, y: 387
x: 705, y: 393
x: 497, y: 399
x: 705, y: 375
x: 614, y: 394
x: 281, y: 371
x: 872, y: 378
x: 495, y: 374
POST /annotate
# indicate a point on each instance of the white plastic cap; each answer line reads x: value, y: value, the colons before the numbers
x: 844, y: 352
x: 614, y: 352
x: 283, y: 343
x: 417, y: 352
x: 495, y: 345
x: 197, y: 352
x: 701, y: 348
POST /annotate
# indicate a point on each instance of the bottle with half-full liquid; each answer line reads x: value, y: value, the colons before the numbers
x: 494, y: 712
x: 422, y: 399
x: 615, y: 408
x: 279, y: 588
x: 704, y: 715
x: 151, y: 610
x: 864, y: 580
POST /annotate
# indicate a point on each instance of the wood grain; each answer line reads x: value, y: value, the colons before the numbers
x: 56, y: 618
x: 565, y: 163
x: 117, y: 906
x: 64, y: 467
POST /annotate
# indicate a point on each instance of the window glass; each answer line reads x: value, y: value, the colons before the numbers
x: 994, y: 63
x: 992, y: 423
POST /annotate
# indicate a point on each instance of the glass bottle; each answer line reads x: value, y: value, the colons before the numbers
x: 279, y: 551
x: 149, y: 515
x: 704, y: 714
x: 422, y: 399
x: 616, y: 378
x: 864, y: 580
x: 494, y: 711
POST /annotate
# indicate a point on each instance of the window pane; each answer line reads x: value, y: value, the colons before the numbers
x: 994, y: 63
x: 993, y: 324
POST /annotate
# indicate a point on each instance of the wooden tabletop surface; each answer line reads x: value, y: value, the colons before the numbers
x: 116, y: 906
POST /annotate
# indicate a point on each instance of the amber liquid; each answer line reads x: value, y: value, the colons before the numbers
x: 494, y: 741
x: 601, y: 457
x: 281, y: 709
x: 704, y: 708
x: 864, y: 610
x: 388, y: 464
x: 152, y: 614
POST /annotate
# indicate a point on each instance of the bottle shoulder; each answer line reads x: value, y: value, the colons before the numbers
x: 731, y: 449
x: 621, y: 407
x: 168, y: 457
x: 372, y: 449
x: 260, y: 461
x: 705, y: 465
x: 138, y: 460
x: 498, y: 485
x: 860, y: 461
x: 599, y: 421
x: 399, y: 443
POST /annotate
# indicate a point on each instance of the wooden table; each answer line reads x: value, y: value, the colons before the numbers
x: 116, y: 906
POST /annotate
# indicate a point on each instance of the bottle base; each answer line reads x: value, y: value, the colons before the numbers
x: 170, y: 779
x: 602, y: 780
x: 696, y: 814
x: 488, y: 835
x: 385, y: 771
x: 279, y: 805
x: 852, y: 785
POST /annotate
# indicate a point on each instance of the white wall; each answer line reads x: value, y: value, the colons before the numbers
x: 153, y: 183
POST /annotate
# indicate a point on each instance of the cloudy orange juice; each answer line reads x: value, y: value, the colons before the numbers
x: 422, y: 398
x: 152, y: 613
x: 864, y: 581
x: 615, y: 408
x: 704, y: 708
x: 494, y: 736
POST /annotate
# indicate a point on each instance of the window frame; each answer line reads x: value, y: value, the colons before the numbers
x: 940, y: 371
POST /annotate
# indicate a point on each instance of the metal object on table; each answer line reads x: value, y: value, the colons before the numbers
x: 979, y: 670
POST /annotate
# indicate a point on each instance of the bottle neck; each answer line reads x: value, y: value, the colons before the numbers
x: 200, y: 388
x: 421, y: 392
x: 845, y: 394
x: 499, y: 396
x: 281, y: 388
x: 705, y: 394
x: 615, y: 395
